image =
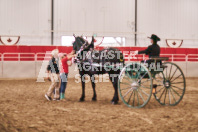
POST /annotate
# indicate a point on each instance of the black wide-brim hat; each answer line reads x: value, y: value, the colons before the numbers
x: 154, y: 37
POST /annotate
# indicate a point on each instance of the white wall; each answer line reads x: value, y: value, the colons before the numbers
x: 104, y: 17
x: 26, y: 18
x: 173, y: 19
x: 166, y: 18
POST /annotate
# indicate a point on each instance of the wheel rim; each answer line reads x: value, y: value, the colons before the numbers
x: 134, y: 88
x: 172, y: 87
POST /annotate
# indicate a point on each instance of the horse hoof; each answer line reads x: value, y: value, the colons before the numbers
x: 94, y: 99
x: 81, y: 100
x: 114, y: 102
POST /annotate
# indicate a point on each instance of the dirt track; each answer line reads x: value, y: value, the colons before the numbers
x: 24, y: 108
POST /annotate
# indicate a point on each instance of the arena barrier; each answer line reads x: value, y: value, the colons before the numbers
x: 67, y: 49
x: 20, y: 67
x: 27, y: 61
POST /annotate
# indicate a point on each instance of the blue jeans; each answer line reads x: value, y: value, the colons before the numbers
x: 63, y: 77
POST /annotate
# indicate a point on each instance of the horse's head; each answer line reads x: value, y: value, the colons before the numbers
x: 78, y: 43
x: 81, y: 45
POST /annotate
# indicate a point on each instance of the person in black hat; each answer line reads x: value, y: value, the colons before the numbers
x: 152, y: 50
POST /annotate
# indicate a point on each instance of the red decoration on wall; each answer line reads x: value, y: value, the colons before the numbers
x: 174, y: 43
x: 9, y: 40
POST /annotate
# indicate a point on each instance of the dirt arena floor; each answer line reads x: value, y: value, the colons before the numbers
x: 23, y: 107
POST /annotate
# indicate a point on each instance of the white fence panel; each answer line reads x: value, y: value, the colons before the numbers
x: 18, y: 69
x: 183, y: 66
x: 192, y: 69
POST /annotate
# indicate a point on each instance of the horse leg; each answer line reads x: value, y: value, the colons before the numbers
x: 114, y: 80
x: 93, y: 86
x: 83, y: 88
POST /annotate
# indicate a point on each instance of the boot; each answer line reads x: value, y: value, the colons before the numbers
x: 61, y: 95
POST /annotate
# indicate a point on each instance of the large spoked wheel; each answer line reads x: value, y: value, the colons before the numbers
x: 173, y: 85
x: 135, y: 85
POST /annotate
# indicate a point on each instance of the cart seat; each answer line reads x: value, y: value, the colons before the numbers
x: 163, y: 66
x: 159, y: 58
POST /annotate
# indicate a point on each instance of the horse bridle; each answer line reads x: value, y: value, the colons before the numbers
x: 79, y: 51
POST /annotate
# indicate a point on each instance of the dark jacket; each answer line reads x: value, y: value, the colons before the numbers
x: 152, y: 50
x: 53, y: 66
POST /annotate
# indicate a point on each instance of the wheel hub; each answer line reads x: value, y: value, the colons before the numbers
x: 134, y: 85
x: 167, y: 84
